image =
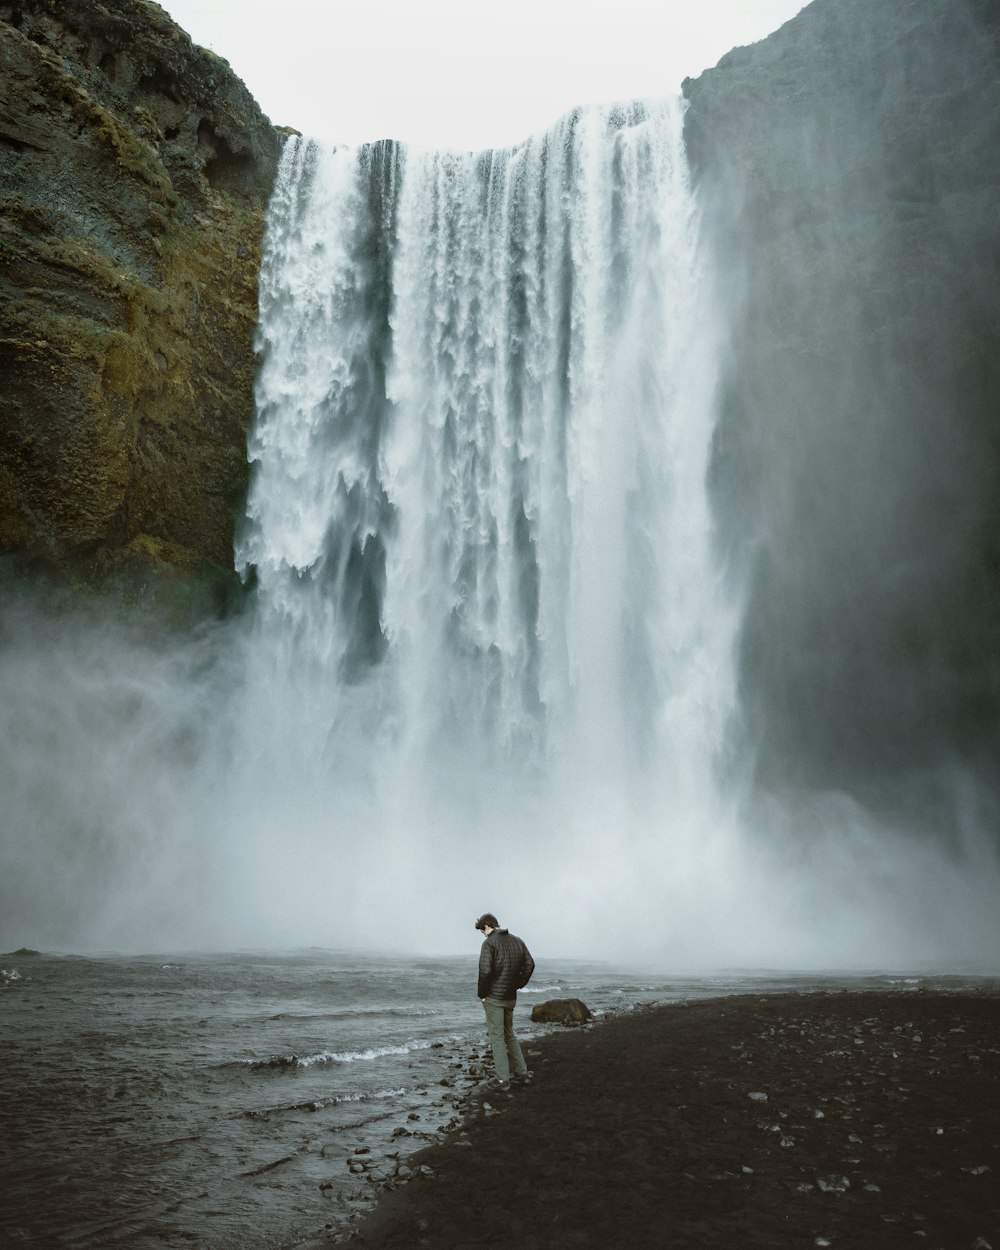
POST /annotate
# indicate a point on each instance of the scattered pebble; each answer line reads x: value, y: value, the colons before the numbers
x: 864, y: 1092
x: 833, y: 1184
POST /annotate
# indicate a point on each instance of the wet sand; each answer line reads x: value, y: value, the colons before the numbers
x: 848, y: 1119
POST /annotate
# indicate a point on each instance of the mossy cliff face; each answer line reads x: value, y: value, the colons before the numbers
x: 847, y: 168
x: 134, y: 173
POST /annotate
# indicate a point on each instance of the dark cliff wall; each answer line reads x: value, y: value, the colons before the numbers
x: 849, y: 167
x: 134, y: 173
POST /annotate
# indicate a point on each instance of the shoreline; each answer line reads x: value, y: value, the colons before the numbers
x: 849, y: 1118
x: 388, y: 1151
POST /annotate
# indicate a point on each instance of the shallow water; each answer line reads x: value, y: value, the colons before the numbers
x: 203, y: 1100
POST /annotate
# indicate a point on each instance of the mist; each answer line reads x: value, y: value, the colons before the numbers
x: 144, y: 812
x: 855, y: 468
x: 619, y: 559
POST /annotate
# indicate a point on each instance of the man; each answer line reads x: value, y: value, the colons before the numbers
x: 505, y: 966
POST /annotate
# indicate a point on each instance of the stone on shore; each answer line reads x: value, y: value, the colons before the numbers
x: 569, y: 1011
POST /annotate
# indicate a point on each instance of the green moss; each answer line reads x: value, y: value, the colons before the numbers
x: 128, y: 367
x: 81, y: 340
x: 135, y: 156
x: 81, y: 256
x: 217, y: 60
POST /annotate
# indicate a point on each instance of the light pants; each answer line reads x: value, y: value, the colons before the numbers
x: 500, y: 1031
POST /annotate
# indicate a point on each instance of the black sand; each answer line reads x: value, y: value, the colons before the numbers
x: 880, y: 1129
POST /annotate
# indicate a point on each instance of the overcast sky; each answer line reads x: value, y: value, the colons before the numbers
x: 463, y: 73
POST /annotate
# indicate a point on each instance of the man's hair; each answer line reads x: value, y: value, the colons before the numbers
x: 487, y: 918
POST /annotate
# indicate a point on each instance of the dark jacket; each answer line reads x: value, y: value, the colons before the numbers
x: 505, y: 965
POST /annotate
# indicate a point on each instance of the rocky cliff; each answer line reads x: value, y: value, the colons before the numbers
x: 848, y: 171
x: 134, y: 173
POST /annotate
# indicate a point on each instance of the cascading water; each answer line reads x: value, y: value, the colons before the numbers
x: 489, y: 659
x: 479, y: 522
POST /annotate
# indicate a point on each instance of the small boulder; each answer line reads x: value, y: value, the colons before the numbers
x: 561, y: 1011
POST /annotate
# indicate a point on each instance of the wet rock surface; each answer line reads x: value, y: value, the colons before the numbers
x: 847, y: 178
x: 569, y: 1011
x: 135, y: 170
x: 881, y: 1127
x: 390, y: 1155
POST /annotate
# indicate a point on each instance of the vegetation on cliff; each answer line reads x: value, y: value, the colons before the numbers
x: 135, y: 170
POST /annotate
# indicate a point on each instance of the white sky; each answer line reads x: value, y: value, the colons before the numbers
x: 463, y: 73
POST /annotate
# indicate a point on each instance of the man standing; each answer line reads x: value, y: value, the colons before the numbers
x: 505, y: 965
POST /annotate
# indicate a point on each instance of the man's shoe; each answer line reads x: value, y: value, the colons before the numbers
x: 521, y: 1078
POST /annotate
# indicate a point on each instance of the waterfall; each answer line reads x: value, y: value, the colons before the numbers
x: 488, y: 657
x: 478, y: 520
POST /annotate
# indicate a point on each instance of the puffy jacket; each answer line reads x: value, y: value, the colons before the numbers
x: 505, y: 965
